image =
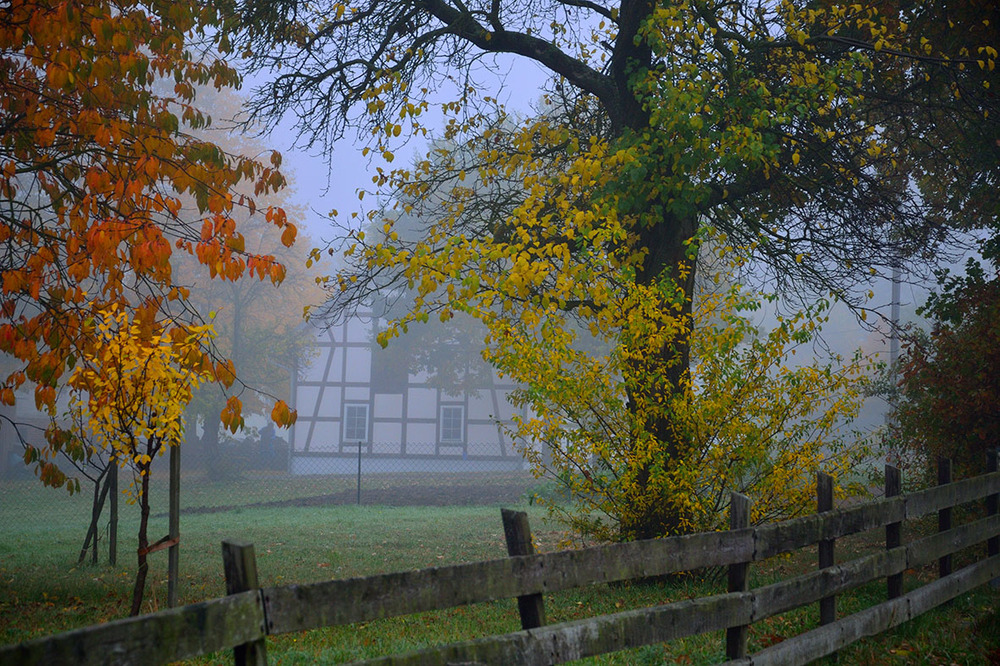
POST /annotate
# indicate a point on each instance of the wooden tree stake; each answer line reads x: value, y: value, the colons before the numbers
x: 992, y: 508
x: 824, y: 502
x: 174, y: 531
x: 113, y: 527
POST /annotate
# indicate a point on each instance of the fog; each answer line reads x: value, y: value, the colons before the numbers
x: 400, y: 425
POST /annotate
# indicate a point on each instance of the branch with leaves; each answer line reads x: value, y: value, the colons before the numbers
x: 97, y: 110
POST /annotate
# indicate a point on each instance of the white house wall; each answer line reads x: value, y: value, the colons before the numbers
x: 400, y: 426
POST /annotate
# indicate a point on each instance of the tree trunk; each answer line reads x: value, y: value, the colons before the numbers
x: 140, y: 577
x: 665, y: 236
x: 100, y: 493
x: 669, y: 258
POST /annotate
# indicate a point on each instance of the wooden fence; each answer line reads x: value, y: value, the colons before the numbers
x: 243, y: 619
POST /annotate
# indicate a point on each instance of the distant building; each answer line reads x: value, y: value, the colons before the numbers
x: 354, y: 393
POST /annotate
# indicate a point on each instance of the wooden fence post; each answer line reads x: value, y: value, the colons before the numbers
x: 893, y: 531
x: 824, y: 502
x: 240, y: 565
x: 944, y: 515
x: 739, y: 518
x: 517, y: 532
x: 992, y: 508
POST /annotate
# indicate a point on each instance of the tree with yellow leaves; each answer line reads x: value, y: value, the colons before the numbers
x: 814, y: 136
x: 760, y: 421
x: 129, y: 397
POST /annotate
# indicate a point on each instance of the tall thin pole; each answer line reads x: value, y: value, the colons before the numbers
x: 173, y: 555
x: 113, y: 527
x: 894, y: 451
x: 894, y: 316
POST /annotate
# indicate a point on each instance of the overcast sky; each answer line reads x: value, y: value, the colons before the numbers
x: 324, y: 185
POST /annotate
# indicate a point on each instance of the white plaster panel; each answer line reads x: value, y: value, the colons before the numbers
x: 326, y: 437
x: 358, y: 330
x: 422, y: 403
x: 305, y: 399
x: 337, y: 366
x: 301, y: 433
x: 314, y: 372
x: 481, y: 406
x: 356, y: 393
x: 330, y: 405
x: 388, y: 405
x: 388, y: 432
x: 420, y: 432
x: 359, y: 365
x: 505, y: 412
x: 479, y: 433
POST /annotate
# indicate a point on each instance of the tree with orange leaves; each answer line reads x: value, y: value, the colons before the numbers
x: 94, y: 161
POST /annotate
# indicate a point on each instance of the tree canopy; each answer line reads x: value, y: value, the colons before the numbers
x: 949, y: 397
x: 792, y: 127
x: 821, y: 140
x: 97, y: 104
x: 130, y: 399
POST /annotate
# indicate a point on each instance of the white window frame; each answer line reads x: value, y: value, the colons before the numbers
x: 461, y: 424
x: 348, y: 425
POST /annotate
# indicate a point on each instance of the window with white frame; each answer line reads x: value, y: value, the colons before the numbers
x: 355, y: 423
x: 452, y: 423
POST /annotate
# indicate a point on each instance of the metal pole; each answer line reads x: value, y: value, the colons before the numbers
x: 359, y: 473
x: 894, y: 315
x: 895, y: 452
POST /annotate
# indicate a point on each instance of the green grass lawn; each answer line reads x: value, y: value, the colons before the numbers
x: 43, y: 591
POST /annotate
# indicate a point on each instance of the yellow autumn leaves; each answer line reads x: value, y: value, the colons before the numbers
x: 568, y: 322
x: 756, y: 421
x: 130, y: 395
x: 648, y: 402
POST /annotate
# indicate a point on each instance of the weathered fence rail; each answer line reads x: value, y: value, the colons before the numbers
x: 242, y: 620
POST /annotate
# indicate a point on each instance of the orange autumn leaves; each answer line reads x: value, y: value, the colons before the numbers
x: 96, y: 102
